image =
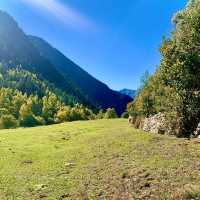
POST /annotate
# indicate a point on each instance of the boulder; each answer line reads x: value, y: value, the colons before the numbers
x: 155, y: 124
x: 197, y: 132
x: 131, y: 119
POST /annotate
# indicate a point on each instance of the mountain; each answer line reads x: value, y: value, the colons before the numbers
x: 130, y: 93
x: 39, y: 57
x: 94, y: 89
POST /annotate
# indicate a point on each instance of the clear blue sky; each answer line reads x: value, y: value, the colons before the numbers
x: 114, y: 40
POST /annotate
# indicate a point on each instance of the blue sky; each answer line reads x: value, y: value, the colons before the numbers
x: 114, y: 40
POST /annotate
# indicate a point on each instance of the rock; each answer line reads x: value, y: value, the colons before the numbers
x: 147, y: 184
x: 65, y: 138
x: 64, y: 196
x: 100, y: 193
x: 41, y: 196
x: 40, y: 187
x: 131, y: 119
x: 155, y: 124
x: 197, y: 132
x: 125, y: 175
x: 27, y: 162
x: 70, y: 164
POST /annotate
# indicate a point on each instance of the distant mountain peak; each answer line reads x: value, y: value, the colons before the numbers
x: 131, y: 93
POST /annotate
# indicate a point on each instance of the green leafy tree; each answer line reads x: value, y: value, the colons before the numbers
x: 27, y: 117
x: 51, y: 105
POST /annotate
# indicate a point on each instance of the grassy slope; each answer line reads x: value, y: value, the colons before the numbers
x: 105, y: 159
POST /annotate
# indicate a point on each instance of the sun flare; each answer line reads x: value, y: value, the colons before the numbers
x: 62, y: 12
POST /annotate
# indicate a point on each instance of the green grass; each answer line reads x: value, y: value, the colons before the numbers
x: 105, y: 159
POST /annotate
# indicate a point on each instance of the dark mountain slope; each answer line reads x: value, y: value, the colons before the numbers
x: 16, y: 49
x: 94, y: 89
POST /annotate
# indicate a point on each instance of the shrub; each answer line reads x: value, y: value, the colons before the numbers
x: 64, y: 115
x: 87, y: 114
x: 8, y: 121
x: 110, y: 114
x: 29, y: 121
x: 76, y: 114
x: 100, y: 115
x: 40, y: 120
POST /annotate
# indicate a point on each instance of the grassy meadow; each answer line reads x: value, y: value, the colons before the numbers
x: 103, y: 159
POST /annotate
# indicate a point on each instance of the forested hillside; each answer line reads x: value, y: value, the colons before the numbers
x: 26, y: 100
x: 174, y: 89
x: 19, y: 79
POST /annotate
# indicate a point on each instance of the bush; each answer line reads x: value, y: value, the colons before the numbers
x: 100, y: 115
x: 110, y: 114
x: 8, y: 121
x: 29, y: 121
x: 40, y: 120
x: 125, y: 115
x: 64, y: 115
x: 87, y: 114
x: 76, y: 114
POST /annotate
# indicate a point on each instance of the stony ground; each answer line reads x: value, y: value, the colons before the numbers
x: 97, y: 160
